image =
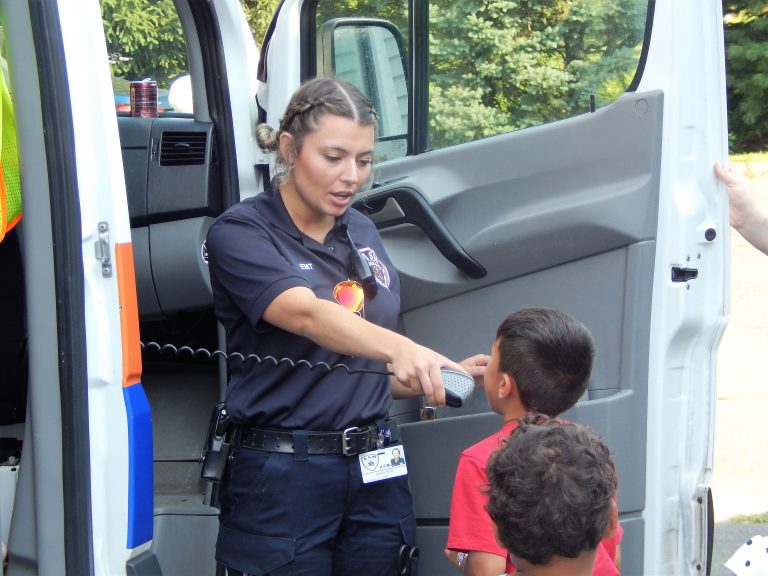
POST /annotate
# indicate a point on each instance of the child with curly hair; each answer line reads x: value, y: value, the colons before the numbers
x: 550, y: 496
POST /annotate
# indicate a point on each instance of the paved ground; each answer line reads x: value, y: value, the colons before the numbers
x: 740, y: 482
x: 729, y: 537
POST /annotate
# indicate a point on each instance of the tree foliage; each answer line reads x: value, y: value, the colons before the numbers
x: 259, y: 15
x: 746, y: 37
x: 501, y: 65
x: 144, y: 39
x: 495, y: 65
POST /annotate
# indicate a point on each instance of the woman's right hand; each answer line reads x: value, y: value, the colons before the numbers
x: 417, y: 369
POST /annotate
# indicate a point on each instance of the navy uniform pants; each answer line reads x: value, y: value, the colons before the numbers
x: 294, y: 514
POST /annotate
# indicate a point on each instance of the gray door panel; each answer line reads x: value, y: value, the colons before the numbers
x: 564, y: 216
x: 618, y: 328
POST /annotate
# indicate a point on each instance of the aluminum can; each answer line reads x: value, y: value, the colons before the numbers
x: 144, y: 99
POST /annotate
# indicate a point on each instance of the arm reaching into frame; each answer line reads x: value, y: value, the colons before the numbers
x: 745, y: 214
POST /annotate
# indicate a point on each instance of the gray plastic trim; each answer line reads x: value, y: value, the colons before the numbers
x: 41, y: 511
x: 179, y: 269
x: 149, y: 306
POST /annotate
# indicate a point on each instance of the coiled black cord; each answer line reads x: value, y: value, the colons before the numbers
x: 216, y: 354
x: 213, y: 355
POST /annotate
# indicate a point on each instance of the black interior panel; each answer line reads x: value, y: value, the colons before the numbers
x: 171, y: 179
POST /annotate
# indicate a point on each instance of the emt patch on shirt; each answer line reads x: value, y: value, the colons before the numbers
x: 378, y: 269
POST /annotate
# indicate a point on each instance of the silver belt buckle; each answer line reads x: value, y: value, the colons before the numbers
x: 345, y: 448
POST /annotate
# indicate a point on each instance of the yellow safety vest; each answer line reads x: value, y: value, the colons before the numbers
x: 10, y: 181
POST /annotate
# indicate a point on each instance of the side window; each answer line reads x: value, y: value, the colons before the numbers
x: 491, y: 67
x: 496, y: 67
x: 145, y: 42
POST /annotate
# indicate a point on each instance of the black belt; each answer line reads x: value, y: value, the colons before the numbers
x: 350, y: 442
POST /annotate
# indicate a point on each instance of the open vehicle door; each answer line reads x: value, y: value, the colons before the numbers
x: 546, y: 153
x: 576, y: 175
x: 83, y: 498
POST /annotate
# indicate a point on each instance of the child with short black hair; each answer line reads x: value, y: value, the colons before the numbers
x: 550, y: 496
x: 541, y: 361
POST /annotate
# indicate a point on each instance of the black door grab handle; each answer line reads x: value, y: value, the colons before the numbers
x: 413, y: 209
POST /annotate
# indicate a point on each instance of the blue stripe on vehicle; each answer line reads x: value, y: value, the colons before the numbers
x: 140, y: 463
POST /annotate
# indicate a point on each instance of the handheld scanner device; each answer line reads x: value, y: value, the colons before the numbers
x: 458, y: 387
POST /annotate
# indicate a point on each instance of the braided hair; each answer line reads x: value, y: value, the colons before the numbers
x: 309, y: 103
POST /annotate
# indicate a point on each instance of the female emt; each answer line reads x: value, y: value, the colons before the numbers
x: 289, y: 277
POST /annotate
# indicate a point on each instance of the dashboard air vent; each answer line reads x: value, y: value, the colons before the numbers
x: 182, y: 148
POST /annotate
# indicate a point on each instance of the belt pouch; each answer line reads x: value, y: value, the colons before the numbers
x: 215, y: 463
x: 218, y: 445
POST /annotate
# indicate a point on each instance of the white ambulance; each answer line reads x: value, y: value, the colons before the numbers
x: 575, y: 172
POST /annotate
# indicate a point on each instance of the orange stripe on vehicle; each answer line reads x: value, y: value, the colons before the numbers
x: 129, y: 314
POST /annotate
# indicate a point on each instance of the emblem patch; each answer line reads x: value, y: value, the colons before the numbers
x: 378, y: 269
x: 370, y: 460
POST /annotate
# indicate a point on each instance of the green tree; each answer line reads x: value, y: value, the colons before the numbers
x: 259, y: 14
x: 144, y: 39
x: 746, y: 38
x: 495, y: 65
x: 501, y: 65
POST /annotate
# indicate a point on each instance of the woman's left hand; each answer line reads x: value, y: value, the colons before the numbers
x: 475, y: 366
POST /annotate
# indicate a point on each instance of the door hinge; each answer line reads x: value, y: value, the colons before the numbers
x: 102, y: 250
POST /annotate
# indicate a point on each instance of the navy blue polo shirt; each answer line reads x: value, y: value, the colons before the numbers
x: 256, y: 252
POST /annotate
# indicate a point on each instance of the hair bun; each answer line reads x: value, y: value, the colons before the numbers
x: 266, y: 137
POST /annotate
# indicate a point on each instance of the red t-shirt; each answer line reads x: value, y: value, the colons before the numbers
x: 470, y: 527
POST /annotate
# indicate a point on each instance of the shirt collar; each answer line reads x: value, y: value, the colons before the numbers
x: 270, y: 204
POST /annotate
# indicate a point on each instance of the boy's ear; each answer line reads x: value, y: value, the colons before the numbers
x: 507, y: 386
x: 613, y: 524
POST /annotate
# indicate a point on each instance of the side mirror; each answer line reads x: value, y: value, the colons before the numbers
x: 369, y: 53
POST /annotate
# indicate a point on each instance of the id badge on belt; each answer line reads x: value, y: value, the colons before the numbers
x: 384, y: 463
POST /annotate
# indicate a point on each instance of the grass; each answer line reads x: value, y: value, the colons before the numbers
x: 751, y: 164
x: 749, y: 157
x: 750, y: 518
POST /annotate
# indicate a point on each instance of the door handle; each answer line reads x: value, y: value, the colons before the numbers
x: 406, y: 206
x: 684, y: 274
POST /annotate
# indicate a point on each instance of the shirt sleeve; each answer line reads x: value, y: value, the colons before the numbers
x: 243, y: 259
x: 470, y: 527
x: 604, y: 564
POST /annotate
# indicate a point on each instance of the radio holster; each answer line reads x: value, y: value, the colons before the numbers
x: 217, y: 449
